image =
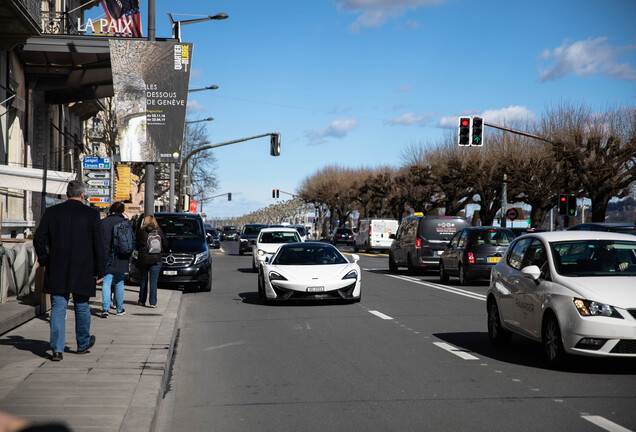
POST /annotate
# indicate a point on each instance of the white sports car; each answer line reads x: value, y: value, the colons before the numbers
x: 573, y: 291
x: 309, y: 271
x: 268, y: 242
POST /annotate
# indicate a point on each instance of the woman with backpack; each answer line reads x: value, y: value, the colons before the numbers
x: 118, y: 241
x: 150, y: 240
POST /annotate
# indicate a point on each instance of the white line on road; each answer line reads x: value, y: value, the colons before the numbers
x: 381, y: 315
x: 453, y: 290
x: 604, y: 423
x: 454, y: 350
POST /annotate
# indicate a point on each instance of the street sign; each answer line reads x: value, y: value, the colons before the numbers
x: 98, y: 175
x: 96, y: 163
x: 97, y: 191
x: 98, y: 182
x: 94, y: 200
x: 512, y: 213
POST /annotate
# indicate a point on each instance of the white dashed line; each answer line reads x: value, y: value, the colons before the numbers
x: 454, y: 350
x: 381, y: 315
x: 604, y: 423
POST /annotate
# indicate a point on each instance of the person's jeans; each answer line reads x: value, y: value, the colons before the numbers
x: 149, y: 273
x: 59, y: 303
x: 118, y: 280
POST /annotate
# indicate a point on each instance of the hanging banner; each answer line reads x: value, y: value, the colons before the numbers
x: 150, y: 80
x: 122, y: 19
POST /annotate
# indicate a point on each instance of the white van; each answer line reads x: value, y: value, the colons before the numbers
x: 373, y: 234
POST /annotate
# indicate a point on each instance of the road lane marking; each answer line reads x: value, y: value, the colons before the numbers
x: 453, y: 290
x: 380, y: 315
x: 454, y: 350
x: 223, y: 346
x: 604, y: 423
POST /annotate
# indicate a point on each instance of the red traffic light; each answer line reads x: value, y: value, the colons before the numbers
x: 563, y: 198
x: 465, y: 122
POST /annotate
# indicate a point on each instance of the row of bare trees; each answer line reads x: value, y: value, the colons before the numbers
x: 582, y: 152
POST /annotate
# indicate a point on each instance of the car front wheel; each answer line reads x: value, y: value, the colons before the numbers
x: 393, y: 268
x: 553, y: 350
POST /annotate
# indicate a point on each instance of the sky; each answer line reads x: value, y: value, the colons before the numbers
x: 357, y: 82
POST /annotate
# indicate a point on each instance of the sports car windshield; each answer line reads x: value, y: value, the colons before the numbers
x: 595, y: 258
x: 309, y: 255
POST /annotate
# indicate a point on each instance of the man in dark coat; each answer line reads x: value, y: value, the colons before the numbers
x: 117, y: 264
x: 68, y: 244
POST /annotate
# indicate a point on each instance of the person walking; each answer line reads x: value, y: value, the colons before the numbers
x: 150, y: 240
x: 118, y: 243
x: 68, y: 245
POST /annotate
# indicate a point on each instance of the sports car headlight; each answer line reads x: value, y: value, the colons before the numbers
x: 200, y: 257
x: 351, y: 275
x: 592, y: 308
x: 276, y: 276
x: 261, y: 252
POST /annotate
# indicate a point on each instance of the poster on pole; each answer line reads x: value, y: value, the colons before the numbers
x: 150, y: 80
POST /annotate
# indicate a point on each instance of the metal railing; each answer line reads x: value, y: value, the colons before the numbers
x: 61, y: 23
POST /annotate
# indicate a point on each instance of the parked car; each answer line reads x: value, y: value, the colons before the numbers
x: 247, y: 239
x: 268, y: 242
x: 473, y: 252
x: 230, y: 232
x: 309, y: 271
x: 186, y: 260
x: 619, y: 227
x: 341, y: 235
x: 420, y: 240
x: 374, y: 234
x: 572, y: 291
x: 213, y: 237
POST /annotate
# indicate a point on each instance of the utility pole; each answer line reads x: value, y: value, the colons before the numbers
x: 149, y: 193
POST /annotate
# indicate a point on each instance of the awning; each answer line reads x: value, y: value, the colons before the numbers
x: 30, y: 179
x: 68, y: 68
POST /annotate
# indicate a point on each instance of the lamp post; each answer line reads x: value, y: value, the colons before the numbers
x: 176, y: 25
x: 185, y: 136
x: 275, y: 151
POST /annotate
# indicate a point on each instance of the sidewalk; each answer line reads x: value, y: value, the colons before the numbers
x: 118, y: 386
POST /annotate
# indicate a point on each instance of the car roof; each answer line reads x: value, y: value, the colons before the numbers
x: 556, y: 236
x: 605, y: 224
x: 279, y: 229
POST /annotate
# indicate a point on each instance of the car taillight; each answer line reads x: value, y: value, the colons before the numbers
x: 370, y: 229
x: 471, y: 258
x: 418, y: 243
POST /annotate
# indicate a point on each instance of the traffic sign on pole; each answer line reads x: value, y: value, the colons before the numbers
x: 98, y: 175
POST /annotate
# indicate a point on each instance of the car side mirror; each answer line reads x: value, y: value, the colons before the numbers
x: 355, y: 257
x: 532, y: 272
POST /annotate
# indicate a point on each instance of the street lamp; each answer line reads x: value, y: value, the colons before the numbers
x: 212, y: 87
x: 180, y: 156
x: 176, y: 25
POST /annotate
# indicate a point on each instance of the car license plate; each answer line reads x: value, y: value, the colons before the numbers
x: 494, y: 259
x: 316, y: 289
x: 170, y: 272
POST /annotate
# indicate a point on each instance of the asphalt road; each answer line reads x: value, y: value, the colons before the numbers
x: 413, y: 355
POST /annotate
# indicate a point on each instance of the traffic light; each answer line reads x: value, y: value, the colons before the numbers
x: 229, y: 196
x: 274, y: 141
x: 571, y: 205
x: 477, y: 131
x: 185, y: 199
x: 277, y: 193
x: 463, y: 134
x: 273, y: 193
x: 563, y: 205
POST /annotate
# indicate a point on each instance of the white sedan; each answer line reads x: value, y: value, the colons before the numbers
x: 268, y: 242
x: 573, y: 291
x: 309, y: 271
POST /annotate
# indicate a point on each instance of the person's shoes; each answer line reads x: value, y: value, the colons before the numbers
x: 57, y: 356
x: 123, y: 312
x: 153, y: 306
x: 140, y: 303
x: 104, y: 314
x: 91, y: 342
x: 112, y: 306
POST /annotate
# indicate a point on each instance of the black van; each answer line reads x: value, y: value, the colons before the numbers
x: 420, y: 240
x: 186, y: 258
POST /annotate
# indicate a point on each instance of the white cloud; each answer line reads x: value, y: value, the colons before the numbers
x: 586, y: 58
x: 193, y: 105
x: 336, y: 129
x: 374, y: 13
x: 409, y: 119
x: 511, y: 114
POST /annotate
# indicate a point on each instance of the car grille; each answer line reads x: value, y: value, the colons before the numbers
x: 173, y: 260
x: 632, y: 312
x: 625, y: 346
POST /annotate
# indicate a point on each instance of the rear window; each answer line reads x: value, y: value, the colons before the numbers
x: 253, y: 229
x: 492, y: 237
x: 279, y: 237
x: 441, y: 228
x: 182, y: 227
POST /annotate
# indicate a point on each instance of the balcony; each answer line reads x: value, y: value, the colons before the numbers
x: 19, y: 20
x: 59, y: 23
